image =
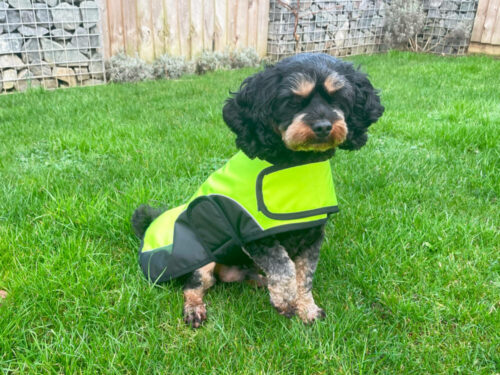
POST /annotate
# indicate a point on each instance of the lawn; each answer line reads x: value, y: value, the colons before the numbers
x: 409, y: 272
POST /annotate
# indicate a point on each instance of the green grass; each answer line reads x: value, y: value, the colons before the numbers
x: 409, y: 273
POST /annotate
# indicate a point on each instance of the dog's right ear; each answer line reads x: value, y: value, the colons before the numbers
x: 248, y: 112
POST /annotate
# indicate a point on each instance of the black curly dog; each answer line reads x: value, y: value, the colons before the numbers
x: 297, y: 111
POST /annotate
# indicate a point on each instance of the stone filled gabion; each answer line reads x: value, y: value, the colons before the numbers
x: 350, y: 27
x: 50, y: 44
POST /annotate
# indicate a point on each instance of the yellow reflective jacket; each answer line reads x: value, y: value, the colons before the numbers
x: 245, y: 200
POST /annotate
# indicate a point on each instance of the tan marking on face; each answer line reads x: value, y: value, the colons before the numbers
x: 298, y: 133
x: 303, y: 85
x: 333, y: 83
x: 338, y: 132
x: 300, y: 137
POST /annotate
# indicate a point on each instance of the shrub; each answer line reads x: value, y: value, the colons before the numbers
x: 242, y: 58
x: 172, y: 67
x: 123, y: 68
x: 404, y: 21
x: 210, y: 61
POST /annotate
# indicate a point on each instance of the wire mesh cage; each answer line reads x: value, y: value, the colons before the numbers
x: 49, y: 43
x: 352, y: 27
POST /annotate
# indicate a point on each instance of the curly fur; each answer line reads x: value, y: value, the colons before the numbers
x: 260, y: 103
x: 311, y: 98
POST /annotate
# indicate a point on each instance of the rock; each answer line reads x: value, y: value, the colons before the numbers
x: 65, y: 74
x: 341, y: 35
x: 84, y: 41
x: 28, y: 31
x: 82, y: 74
x: 51, y: 3
x: 96, y: 69
x: 31, y: 50
x: 66, y: 16
x: 43, y: 15
x: 20, y: 4
x: 90, y: 13
x: 3, y: 13
x: 10, y: 61
x: 12, y: 19
x: 10, y: 43
x: 324, y: 18
x: 55, y: 53
x: 92, y: 82
x: 49, y: 83
x: 435, y: 3
x: 9, y: 78
x: 27, y: 17
x: 41, y: 69
x: 26, y: 80
x: 60, y: 34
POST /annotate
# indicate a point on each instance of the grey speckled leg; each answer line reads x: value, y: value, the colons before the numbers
x: 305, y: 265
x: 273, y: 259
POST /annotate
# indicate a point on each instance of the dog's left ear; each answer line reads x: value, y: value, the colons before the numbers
x: 248, y: 112
x: 366, y: 110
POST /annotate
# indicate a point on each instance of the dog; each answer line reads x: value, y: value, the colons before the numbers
x: 293, y: 114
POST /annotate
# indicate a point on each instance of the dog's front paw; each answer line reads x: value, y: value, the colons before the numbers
x: 195, y: 315
x: 310, y: 313
x: 288, y: 310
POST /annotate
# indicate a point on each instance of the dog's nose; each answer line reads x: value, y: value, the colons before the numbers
x: 322, y: 128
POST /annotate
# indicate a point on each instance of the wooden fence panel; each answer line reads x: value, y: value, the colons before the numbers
x: 485, y: 36
x: 151, y: 28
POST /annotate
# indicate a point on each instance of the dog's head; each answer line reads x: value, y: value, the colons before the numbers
x: 302, y: 109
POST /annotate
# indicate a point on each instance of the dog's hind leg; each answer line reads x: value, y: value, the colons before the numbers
x: 194, y: 311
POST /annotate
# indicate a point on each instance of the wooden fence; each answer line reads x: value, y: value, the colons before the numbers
x: 151, y: 28
x: 486, y: 32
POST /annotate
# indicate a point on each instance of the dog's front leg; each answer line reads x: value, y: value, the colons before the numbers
x: 305, y: 266
x: 273, y: 259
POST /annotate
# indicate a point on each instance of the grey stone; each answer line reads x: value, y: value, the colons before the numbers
x: 66, y: 16
x: 43, y: 15
x: 27, y: 17
x: 10, y: 61
x: 84, y: 41
x: 29, y: 31
x: 435, y: 3
x: 1, y: 82
x: 12, y: 20
x: 60, y: 34
x: 51, y: 3
x: 31, y: 50
x: 325, y: 18
x: 40, y: 69
x: 90, y: 13
x: 96, y: 69
x: 58, y: 54
x: 9, y: 78
x: 10, y: 43
x: 20, y: 4
x: 449, y: 6
x: 3, y: 13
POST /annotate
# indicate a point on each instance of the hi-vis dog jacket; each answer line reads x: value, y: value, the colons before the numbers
x: 243, y: 201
